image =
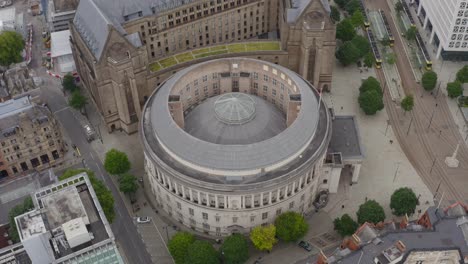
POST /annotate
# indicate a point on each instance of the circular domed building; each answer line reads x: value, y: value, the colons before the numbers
x: 231, y: 143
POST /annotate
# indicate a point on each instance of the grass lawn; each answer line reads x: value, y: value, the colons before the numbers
x: 236, y: 48
x: 155, y: 67
x: 220, y: 47
x: 211, y: 54
x: 184, y: 57
x: 168, y: 62
x: 200, y: 51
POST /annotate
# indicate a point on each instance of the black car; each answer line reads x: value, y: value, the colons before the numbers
x: 305, y: 245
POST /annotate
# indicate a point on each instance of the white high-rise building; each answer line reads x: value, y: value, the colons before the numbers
x: 447, y: 22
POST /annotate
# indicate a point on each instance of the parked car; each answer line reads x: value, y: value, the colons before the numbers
x: 90, y: 134
x: 305, y: 245
x: 143, y: 219
x: 5, y: 3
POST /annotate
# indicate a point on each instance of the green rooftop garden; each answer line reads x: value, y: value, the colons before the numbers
x: 212, y: 51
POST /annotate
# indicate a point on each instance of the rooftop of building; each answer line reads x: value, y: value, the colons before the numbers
x: 449, y: 232
x: 8, y: 14
x: 345, y: 138
x: 67, y: 214
x: 65, y: 5
x: 260, y: 120
x: 60, y: 43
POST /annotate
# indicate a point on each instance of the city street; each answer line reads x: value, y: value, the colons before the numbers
x: 433, y: 134
x: 123, y: 227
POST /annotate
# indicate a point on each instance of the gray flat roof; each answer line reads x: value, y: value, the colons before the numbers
x: 202, y: 123
x: 345, y: 138
x: 284, y: 146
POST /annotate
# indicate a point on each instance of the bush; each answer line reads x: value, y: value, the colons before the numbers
x: 68, y: 83
x: 116, y: 162
x: 103, y: 194
x: 345, y: 30
x: 345, y: 226
x: 403, y: 201
x: 352, y: 6
x: 341, y: 3
x: 370, y: 211
x: 20, y: 209
x: 429, y: 80
x: 128, y: 183
x: 454, y: 89
x: 178, y: 246
x: 263, y: 238
x: 462, y: 74
x: 290, y: 226
x: 357, y: 19
x: 201, y: 252
x: 407, y: 103
x: 369, y: 59
x: 77, y: 100
x: 411, y: 33
x: 235, y: 249
x: 370, y: 102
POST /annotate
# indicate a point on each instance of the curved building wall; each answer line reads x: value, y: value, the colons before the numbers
x: 219, y: 204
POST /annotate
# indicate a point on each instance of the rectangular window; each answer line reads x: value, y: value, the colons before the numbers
x: 179, y: 206
x: 217, y: 218
x: 195, y: 82
x: 265, y: 88
x: 205, y: 216
x: 274, y: 82
x: 190, y: 210
x: 265, y: 78
x: 255, y: 85
x: 206, y: 226
x: 255, y: 76
x: 215, y: 86
x: 291, y: 205
x: 264, y: 215
x: 252, y: 218
x: 215, y: 75
x: 205, y: 78
x: 282, y: 86
x: 273, y: 91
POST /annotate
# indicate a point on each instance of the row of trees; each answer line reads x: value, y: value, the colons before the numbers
x: 354, y: 47
x: 117, y: 163
x: 402, y: 202
x: 455, y: 88
x: 288, y: 227
x: 77, y: 100
x: 370, y: 96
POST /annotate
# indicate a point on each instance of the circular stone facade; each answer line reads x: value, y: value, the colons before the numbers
x: 267, y: 143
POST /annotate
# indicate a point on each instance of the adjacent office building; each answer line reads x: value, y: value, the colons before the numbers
x: 60, y: 13
x: 67, y: 225
x: 447, y: 22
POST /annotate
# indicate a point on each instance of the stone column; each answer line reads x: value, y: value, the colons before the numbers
x: 426, y: 19
x: 191, y: 195
x: 199, y: 200
x: 261, y: 199
x: 294, y: 187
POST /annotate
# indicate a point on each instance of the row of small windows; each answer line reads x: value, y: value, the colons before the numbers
x: 463, y: 21
x: 457, y: 44
x: 457, y: 29
x: 461, y: 13
x: 459, y: 36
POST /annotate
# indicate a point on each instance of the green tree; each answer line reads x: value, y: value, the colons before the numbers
x: 116, y: 162
x: 385, y: 42
x: 235, y: 249
x: 454, y: 89
x: 103, y: 194
x: 403, y: 201
x: 68, y: 83
x: 391, y: 58
x: 347, y: 53
x: 429, y: 80
x: 399, y: 7
x: 369, y: 59
x: 357, y: 19
x: 370, y: 211
x: 411, y: 33
x: 77, y: 100
x: 19, y: 209
x: 370, y: 102
x: 462, y: 74
x: 128, y: 183
x: 352, y: 6
x: 341, y: 3
x: 369, y: 84
x: 362, y: 44
x: 263, y: 238
x: 178, y: 246
x: 345, y: 226
x: 345, y: 30
x: 407, y: 103
x: 290, y: 226
x: 335, y: 14
x: 201, y: 252
x: 11, y: 47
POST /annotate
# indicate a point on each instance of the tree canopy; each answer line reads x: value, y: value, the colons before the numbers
x: 403, y: 201
x: 352, y: 6
x: 11, y: 47
x: 128, y: 183
x: 399, y: 7
x: 454, y: 89
x: 116, y: 162
x: 357, y: 19
x: 290, y: 226
x: 341, y: 3
x: 370, y: 102
x: 178, y: 246
x: 362, y: 44
x: 462, y: 74
x: 429, y: 80
x: 335, y: 14
x: 68, y: 83
x: 407, y: 103
x: 201, y: 252
x: 235, y: 249
x: 390, y: 58
x: 345, y: 226
x: 347, y: 53
x: 370, y: 211
x: 369, y: 59
x: 103, y: 194
x: 263, y: 238
x: 411, y: 33
x: 345, y: 30
x: 369, y: 84
x: 77, y: 100
x: 20, y: 209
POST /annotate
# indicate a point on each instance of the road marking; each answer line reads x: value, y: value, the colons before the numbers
x: 63, y: 109
x: 92, y: 157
